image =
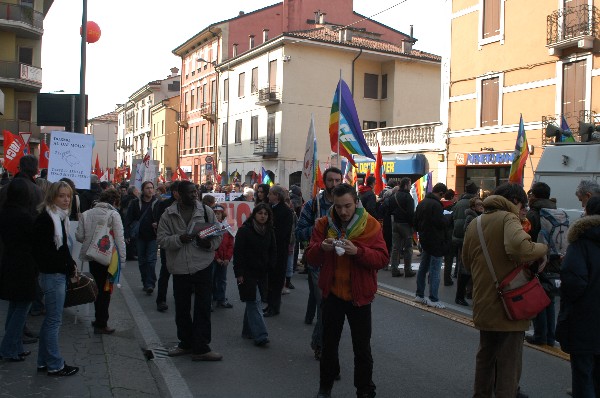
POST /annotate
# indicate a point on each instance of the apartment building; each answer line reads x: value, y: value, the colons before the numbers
x: 134, y: 120
x: 21, y: 31
x: 165, y: 134
x: 104, y: 129
x: 536, y: 59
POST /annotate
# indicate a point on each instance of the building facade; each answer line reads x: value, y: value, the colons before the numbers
x: 165, y: 134
x: 21, y: 31
x: 507, y: 59
x: 104, y: 129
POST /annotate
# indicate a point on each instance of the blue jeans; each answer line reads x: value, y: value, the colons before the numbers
x: 433, y: 265
x: 12, y: 343
x: 54, y: 287
x: 254, y: 323
x: 219, y: 282
x: 146, y: 251
x: 289, y: 271
x: 317, y: 334
x: 544, y: 325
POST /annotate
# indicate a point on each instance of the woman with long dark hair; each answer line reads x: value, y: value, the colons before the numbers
x: 55, y: 263
x: 261, y: 193
x: 18, y: 269
x: 253, y: 254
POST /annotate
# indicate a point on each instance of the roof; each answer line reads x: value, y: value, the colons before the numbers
x: 107, y: 117
x: 328, y: 35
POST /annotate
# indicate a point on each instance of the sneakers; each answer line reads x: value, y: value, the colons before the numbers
x: 285, y: 290
x: 434, y: 304
x: 208, y: 356
x: 65, y: 371
x: 420, y: 300
x: 178, y: 351
x: 162, y: 306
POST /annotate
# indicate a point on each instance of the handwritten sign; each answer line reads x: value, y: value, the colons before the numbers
x: 70, y: 157
x: 234, y: 195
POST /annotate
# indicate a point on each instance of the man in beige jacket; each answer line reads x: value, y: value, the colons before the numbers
x: 499, y: 357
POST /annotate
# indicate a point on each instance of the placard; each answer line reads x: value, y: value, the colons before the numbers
x: 234, y: 195
x: 70, y: 157
x: 237, y: 213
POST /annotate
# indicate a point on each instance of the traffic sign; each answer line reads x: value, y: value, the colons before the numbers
x: 208, y: 159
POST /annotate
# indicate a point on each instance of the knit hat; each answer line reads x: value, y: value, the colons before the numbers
x: 471, y: 188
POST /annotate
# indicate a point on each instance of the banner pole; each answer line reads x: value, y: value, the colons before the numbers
x: 339, y: 117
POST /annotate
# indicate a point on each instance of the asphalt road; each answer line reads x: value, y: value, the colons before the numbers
x: 417, y: 354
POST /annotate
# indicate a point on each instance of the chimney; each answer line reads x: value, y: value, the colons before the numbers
x: 345, y: 35
x: 174, y: 71
x: 241, y: 13
x: 265, y: 35
x: 321, y: 18
x: 411, y: 32
x: 406, y: 46
x: 317, y: 17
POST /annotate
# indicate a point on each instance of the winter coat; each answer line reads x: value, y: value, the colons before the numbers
x: 533, y: 215
x: 185, y: 258
x: 368, y: 199
x: 134, y: 213
x: 282, y: 223
x: 225, y: 249
x: 459, y: 216
x: 50, y: 260
x: 101, y: 213
x: 309, y: 215
x: 253, y: 256
x: 35, y: 193
x: 431, y: 224
x: 371, y: 257
x: 509, y: 246
x: 578, y: 326
x: 402, y: 206
x: 18, y: 268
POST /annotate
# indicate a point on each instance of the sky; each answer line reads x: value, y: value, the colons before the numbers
x: 138, y: 37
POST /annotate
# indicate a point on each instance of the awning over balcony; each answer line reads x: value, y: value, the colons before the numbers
x: 406, y: 164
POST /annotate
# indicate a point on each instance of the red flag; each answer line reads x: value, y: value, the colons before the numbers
x: 175, y: 176
x: 182, y: 174
x: 128, y: 170
x: 14, y: 149
x: 44, y: 155
x: 97, y: 169
x: 253, y: 179
x: 367, y: 176
x: 378, y: 166
x: 259, y: 178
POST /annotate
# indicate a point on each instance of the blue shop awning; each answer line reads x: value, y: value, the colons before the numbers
x: 395, y: 164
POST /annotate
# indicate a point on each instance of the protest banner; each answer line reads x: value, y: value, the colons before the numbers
x: 70, y: 157
x: 237, y: 213
x: 235, y: 195
x: 219, y: 196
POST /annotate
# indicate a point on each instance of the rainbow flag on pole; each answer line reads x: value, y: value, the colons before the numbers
x: 310, y: 166
x: 265, y: 177
x: 344, y: 126
x: 421, y: 187
x: 520, y: 155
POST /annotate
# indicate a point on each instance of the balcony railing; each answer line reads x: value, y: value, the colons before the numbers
x: 268, y: 96
x: 19, y: 13
x: 410, y: 135
x: 21, y: 75
x: 572, y: 27
x: 266, y: 147
x: 208, y: 110
x: 572, y: 120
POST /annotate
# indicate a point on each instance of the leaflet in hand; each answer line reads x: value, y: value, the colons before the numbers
x: 206, y: 230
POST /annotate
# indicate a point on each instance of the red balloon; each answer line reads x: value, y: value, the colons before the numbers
x: 93, y: 32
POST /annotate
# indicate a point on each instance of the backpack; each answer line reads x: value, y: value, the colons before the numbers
x: 554, y: 224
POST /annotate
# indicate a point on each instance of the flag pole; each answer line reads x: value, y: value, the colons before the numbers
x: 339, y: 117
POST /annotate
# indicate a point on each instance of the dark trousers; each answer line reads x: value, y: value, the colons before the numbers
x: 100, y: 274
x: 163, y: 279
x: 461, y: 285
x: 334, y: 311
x: 194, y: 333
x: 311, y: 305
x: 276, y: 280
x: 448, y: 261
x: 585, y: 374
x: 498, y: 364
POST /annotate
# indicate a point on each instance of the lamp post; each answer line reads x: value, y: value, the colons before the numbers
x: 82, y: 70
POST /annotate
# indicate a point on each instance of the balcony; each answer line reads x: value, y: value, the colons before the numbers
x: 21, y: 77
x: 16, y: 126
x: 21, y: 20
x: 572, y: 28
x: 266, y: 147
x: 585, y: 116
x: 412, y: 136
x: 268, y: 96
x: 208, y: 110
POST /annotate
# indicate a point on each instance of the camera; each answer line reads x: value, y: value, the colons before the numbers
x: 338, y: 243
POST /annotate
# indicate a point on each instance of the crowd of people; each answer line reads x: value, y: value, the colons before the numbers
x: 345, y: 235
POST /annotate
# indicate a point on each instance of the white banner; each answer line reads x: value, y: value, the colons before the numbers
x: 237, y: 213
x: 70, y: 157
x: 307, y: 179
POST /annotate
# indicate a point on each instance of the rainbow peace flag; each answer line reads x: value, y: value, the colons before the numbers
x: 265, y: 177
x: 520, y: 155
x: 567, y: 135
x: 421, y: 187
x: 349, y: 173
x: 344, y: 126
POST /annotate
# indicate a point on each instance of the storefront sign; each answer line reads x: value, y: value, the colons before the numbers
x: 484, y: 158
x: 394, y: 164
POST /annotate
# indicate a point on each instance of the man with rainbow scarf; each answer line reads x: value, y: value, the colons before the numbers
x: 349, y: 245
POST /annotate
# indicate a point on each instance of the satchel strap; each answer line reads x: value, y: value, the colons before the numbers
x: 486, y: 253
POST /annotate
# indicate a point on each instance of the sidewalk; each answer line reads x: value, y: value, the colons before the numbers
x: 109, y: 365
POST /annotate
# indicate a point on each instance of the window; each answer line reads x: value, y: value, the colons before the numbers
x: 26, y: 55
x: 573, y: 91
x: 204, y: 94
x: 24, y: 110
x: 213, y: 96
x: 224, y: 134
x: 196, y: 138
x: 254, y: 128
x: 185, y: 138
x: 371, y: 83
x: 142, y: 118
x: 211, y: 139
x: 272, y: 75
x: 491, y: 18
x: 238, y: 131
x: 489, y: 101
x: 384, y: 86
x: 202, y: 142
x: 225, y: 90
x: 254, y: 81
x: 271, y: 127
x: 234, y: 50
x: 251, y: 42
x: 192, y: 99
x: 368, y: 125
x: 382, y: 125
x: 241, y: 82
x: 265, y: 35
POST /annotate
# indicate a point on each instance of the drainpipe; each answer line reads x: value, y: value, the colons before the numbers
x: 353, y: 61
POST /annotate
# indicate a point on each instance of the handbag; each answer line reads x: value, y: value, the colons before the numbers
x: 102, y: 244
x: 522, y: 294
x: 81, y: 289
x: 551, y: 283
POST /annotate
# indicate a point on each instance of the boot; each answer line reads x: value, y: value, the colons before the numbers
x: 461, y: 286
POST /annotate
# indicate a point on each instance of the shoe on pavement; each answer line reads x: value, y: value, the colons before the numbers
x: 285, y: 290
x: 162, y: 306
x: 149, y: 291
x: 290, y: 286
x: 460, y: 301
x: 420, y: 300
x: 225, y: 304
x: 409, y: 274
x: 521, y: 394
x: 435, y: 304
x: 370, y: 394
x: 262, y: 343
x: 104, y: 330
x: 270, y: 314
x: 397, y: 274
x: 208, y: 356
x: 65, y: 371
x: 27, y: 332
x: 178, y: 351
x: 448, y: 283
x: 531, y: 340
x: 323, y: 393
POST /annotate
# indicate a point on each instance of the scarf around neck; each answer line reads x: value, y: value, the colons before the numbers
x: 355, y: 227
x: 58, y: 216
x: 261, y: 229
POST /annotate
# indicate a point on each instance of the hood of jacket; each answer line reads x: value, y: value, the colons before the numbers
x: 585, y: 227
x: 542, y: 203
x: 496, y: 202
x: 364, y: 189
